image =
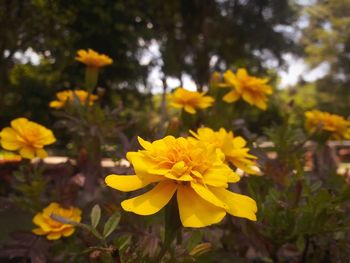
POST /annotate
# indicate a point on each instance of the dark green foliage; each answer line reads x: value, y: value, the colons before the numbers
x: 190, y: 35
x: 326, y: 41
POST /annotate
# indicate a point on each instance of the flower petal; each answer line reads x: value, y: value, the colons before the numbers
x: 242, y: 73
x: 220, y: 175
x: 189, y: 109
x: 142, y: 166
x: 27, y: 152
x: 54, y: 236
x: 231, y: 96
x: 152, y: 201
x: 195, y: 211
x: 207, y: 195
x: 19, y: 125
x: 239, y: 205
x: 125, y: 183
x: 145, y: 144
x: 56, y: 104
x: 9, y: 140
x: 68, y: 231
x: 41, y: 153
x: 39, y: 232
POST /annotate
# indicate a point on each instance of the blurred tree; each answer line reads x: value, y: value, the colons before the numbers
x: 56, y: 31
x: 194, y: 37
x: 199, y: 36
x: 326, y: 40
x: 27, y: 24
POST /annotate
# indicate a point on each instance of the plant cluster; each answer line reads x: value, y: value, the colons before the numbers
x: 282, y: 189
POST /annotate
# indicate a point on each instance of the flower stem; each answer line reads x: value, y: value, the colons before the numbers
x: 172, y: 226
x: 91, y: 77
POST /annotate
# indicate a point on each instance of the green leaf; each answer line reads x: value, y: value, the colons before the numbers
x: 123, y: 242
x: 111, y: 224
x: 95, y: 215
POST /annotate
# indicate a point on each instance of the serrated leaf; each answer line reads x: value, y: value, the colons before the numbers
x: 95, y: 215
x: 111, y: 224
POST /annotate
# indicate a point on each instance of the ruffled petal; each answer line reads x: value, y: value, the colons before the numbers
x: 142, y: 166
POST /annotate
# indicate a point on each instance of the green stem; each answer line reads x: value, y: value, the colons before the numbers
x: 91, y: 78
x: 172, y: 226
x: 188, y: 120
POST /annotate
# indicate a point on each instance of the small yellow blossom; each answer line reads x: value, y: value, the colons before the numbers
x: 27, y: 137
x: 51, y: 228
x: 192, y: 169
x: 233, y: 147
x: 335, y: 125
x: 251, y: 89
x: 190, y: 100
x: 70, y: 96
x: 93, y: 59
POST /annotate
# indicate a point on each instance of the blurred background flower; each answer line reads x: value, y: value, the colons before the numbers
x: 26, y: 137
x: 70, y: 96
x: 93, y: 59
x: 53, y: 229
x: 189, y: 101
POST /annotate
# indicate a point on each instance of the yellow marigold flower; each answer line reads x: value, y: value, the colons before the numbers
x: 335, y: 125
x: 195, y: 170
x: 27, y: 137
x: 70, y: 96
x: 251, y: 89
x: 190, y: 100
x: 232, y: 147
x: 93, y: 59
x: 53, y: 229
